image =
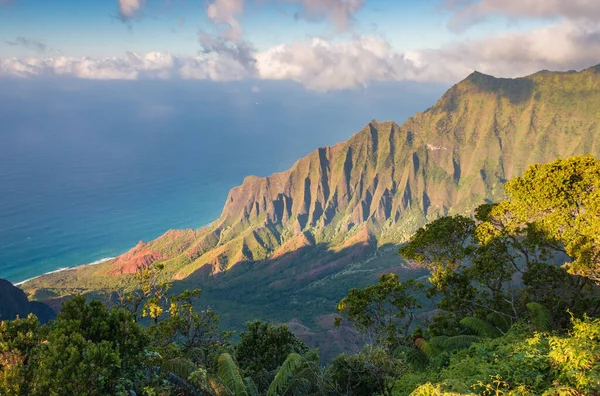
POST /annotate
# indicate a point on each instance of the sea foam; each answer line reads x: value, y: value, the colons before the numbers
x: 65, y: 269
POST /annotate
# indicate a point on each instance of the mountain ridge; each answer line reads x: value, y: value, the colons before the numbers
x: 334, y: 219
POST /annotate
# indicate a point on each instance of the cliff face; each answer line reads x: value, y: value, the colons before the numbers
x: 334, y: 219
x: 14, y: 302
x: 292, y: 244
x: 449, y: 159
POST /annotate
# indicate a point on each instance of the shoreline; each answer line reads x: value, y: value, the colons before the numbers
x: 100, y: 261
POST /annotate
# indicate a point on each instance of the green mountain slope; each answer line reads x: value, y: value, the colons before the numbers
x: 291, y: 244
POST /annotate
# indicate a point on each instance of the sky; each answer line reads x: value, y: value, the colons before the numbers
x: 324, y: 45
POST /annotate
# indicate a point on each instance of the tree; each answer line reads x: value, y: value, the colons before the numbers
x: 561, y: 200
x: 87, y: 350
x: 150, y: 296
x: 372, y: 371
x: 184, y: 330
x: 382, y: 313
x: 18, y: 341
x: 262, y: 350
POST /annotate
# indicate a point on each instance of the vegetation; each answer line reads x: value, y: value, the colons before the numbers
x: 290, y: 246
x: 517, y: 295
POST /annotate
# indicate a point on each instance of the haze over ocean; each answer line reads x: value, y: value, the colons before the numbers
x: 87, y: 169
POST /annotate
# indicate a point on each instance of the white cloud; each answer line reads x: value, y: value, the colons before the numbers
x: 320, y: 64
x: 225, y: 12
x: 129, y: 8
x: 561, y: 46
x: 154, y: 65
x: 471, y: 12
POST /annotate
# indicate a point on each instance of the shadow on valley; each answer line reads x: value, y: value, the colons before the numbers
x: 301, y: 288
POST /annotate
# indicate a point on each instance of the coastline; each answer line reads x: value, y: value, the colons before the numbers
x: 102, y: 260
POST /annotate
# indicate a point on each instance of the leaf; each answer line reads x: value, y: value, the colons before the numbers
x: 181, y: 367
x: 540, y: 316
x: 427, y: 348
x: 481, y: 327
x: 229, y: 374
x: 411, y: 355
x: 498, y: 320
x: 251, y: 386
x: 460, y: 341
x: 288, y: 369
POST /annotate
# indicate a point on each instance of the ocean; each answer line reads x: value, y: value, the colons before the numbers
x: 89, y: 168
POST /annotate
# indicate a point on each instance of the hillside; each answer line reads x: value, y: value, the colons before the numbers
x: 14, y: 303
x: 290, y: 245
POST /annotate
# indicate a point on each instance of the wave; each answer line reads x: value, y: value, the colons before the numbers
x: 102, y: 260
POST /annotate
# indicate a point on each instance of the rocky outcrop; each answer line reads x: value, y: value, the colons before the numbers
x: 14, y: 303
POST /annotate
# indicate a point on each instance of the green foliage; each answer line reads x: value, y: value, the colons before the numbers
x: 372, y: 371
x: 288, y: 369
x: 263, y: 348
x: 230, y: 376
x: 481, y: 327
x: 562, y: 199
x: 383, y: 312
x: 87, y: 350
x: 524, y: 363
x: 540, y: 317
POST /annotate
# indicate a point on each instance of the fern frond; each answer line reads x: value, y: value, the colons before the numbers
x: 481, y: 327
x: 540, y: 316
x: 289, y: 368
x: 251, y: 387
x: 438, y: 342
x: 498, y: 320
x: 196, y: 354
x: 460, y: 341
x: 412, y: 356
x: 179, y: 366
x: 229, y: 374
x: 428, y: 349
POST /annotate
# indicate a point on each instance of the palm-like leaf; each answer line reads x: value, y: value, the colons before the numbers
x: 427, y: 348
x: 412, y: 355
x: 460, y: 341
x: 438, y: 342
x: 292, y: 365
x: 540, y: 317
x: 500, y: 321
x: 229, y: 374
x: 481, y: 327
x: 181, y: 367
x: 251, y: 387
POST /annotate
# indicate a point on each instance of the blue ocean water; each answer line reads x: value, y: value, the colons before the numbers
x: 88, y: 168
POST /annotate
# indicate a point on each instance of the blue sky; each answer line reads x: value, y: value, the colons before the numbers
x: 323, y: 44
x: 91, y: 27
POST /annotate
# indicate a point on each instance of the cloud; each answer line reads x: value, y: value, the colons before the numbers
x: 561, y: 46
x: 154, y: 65
x: 339, y: 12
x: 238, y: 52
x: 223, y: 13
x: 34, y: 45
x: 128, y: 9
x: 323, y: 65
x: 468, y: 13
